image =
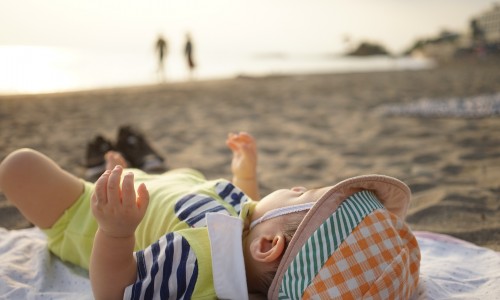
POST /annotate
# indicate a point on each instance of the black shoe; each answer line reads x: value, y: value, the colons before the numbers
x: 94, y: 157
x: 137, y: 151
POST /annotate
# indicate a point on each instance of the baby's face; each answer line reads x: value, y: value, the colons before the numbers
x: 286, y: 197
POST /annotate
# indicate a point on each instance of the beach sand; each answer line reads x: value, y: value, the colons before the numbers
x: 312, y: 130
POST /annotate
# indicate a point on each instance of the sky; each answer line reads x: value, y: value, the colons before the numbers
x: 57, y: 45
x: 221, y: 26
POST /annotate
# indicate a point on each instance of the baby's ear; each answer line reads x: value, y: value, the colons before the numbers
x: 267, y: 248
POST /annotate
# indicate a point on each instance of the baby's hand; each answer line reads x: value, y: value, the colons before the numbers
x: 118, y: 210
x: 244, y: 148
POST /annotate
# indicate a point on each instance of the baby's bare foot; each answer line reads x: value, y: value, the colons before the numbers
x: 114, y: 159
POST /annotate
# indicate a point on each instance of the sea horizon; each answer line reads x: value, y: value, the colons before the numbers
x: 39, y: 69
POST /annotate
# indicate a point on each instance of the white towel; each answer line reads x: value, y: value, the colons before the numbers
x: 450, y: 269
x: 454, y: 269
x: 29, y: 271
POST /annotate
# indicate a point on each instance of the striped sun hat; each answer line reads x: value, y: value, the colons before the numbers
x: 352, y: 244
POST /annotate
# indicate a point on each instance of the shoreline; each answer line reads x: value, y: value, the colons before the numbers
x: 312, y: 130
x: 395, y: 66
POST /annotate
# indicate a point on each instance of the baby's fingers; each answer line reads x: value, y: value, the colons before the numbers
x: 100, y: 196
x: 143, y: 197
x: 243, y: 138
x: 247, y: 139
x: 113, y: 188
x: 128, y: 191
x: 231, y: 142
x: 230, y: 137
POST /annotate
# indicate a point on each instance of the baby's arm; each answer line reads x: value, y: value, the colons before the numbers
x: 244, y: 163
x: 118, y: 212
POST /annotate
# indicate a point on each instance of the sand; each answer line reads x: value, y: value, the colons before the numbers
x: 312, y: 130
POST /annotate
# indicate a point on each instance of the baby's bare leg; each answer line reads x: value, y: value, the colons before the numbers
x: 37, y: 186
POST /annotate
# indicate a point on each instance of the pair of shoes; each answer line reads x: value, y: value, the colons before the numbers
x: 138, y: 152
x: 95, y: 163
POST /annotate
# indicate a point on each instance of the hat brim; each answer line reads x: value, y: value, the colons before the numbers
x: 391, y: 192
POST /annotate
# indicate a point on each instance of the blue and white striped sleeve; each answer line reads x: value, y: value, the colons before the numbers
x: 167, y: 269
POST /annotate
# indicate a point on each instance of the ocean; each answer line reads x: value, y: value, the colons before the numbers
x: 29, y: 69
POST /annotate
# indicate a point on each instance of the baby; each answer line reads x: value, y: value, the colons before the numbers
x: 204, y: 239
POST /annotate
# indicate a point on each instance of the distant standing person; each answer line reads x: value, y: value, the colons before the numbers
x: 188, y: 52
x: 161, y: 49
